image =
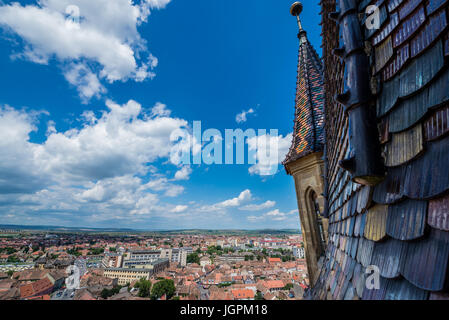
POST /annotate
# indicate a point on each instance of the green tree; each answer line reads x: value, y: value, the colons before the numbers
x: 288, y: 286
x: 13, y: 259
x: 95, y: 251
x: 144, y: 287
x: 193, y: 258
x: 258, y: 296
x: 166, y: 286
x: 106, y: 293
x: 10, y: 273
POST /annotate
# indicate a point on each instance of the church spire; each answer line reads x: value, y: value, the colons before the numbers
x: 308, y: 132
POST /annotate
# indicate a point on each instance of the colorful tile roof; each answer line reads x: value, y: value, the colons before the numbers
x: 308, y: 134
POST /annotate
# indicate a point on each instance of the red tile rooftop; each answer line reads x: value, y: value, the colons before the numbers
x: 243, y: 294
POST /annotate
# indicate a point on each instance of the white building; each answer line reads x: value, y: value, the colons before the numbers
x: 299, y: 252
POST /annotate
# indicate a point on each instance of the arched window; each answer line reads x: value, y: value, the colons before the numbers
x: 319, y: 229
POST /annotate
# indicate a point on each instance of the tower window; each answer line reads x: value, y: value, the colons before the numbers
x: 319, y: 229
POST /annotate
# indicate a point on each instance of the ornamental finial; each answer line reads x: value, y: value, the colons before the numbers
x: 296, y: 10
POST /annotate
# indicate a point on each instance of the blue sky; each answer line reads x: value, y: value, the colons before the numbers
x: 88, y: 102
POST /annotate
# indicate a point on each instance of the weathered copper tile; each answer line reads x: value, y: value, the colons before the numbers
x: 410, y: 111
x: 437, y: 124
x: 407, y: 219
x: 386, y: 31
x: 393, y: 4
x: 408, y: 7
x: 424, y: 178
x: 438, y: 216
x: 401, y: 289
x: 383, y: 53
x: 408, y: 27
x: 365, y: 252
x: 376, y: 222
x: 387, y: 257
x: 404, y: 146
x: 434, y: 5
x: 411, y: 79
x: 429, y: 33
x: 425, y: 262
x: 376, y: 293
x: 402, y: 56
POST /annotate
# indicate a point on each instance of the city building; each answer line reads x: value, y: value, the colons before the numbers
x: 112, y: 260
x: 129, y: 274
x: 143, y: 255
x: 205, y: 261
x: 176, y: 255
x: 298, y: 252
x: 37, y: 288
x: 126, y: 275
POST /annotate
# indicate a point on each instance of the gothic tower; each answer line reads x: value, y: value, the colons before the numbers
x: 304, y: 159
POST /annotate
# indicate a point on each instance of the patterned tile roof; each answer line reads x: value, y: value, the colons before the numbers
x: 308, y: 131
x: 401, y: 225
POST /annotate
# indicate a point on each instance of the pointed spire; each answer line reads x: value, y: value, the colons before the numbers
x: 308, y: 132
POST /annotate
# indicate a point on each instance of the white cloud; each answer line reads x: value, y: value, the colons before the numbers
x: 183, y: 173
x: 179, y: 208
x: 270, y: 152
x: 120, y: 142
x: 255, y: 218
x: 85, y: 81
x: 160, y: 110
x: 244, y: 196
x: 102, y: 34
x: 97, y: 170
x: 162, y: 184
x: 242, y: 117
x: 258, y: 207
x: 273, y: 215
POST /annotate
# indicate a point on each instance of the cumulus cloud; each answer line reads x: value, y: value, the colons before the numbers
x: 273, y: 215
x: 163, y: 185
x: 242, y: 117
x: 160, y: 110
x: 19, y: 172
x: 93, y: 40
x: 179, y: 208
x: 183, y: 173
x: 86, y: 82
x: 100, y: 167
x: 243, y: 197
x: 257, y: 207
x: 120, y: 142
x: 270, y: 151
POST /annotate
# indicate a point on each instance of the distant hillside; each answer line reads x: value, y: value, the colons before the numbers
x: 154, y: 231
